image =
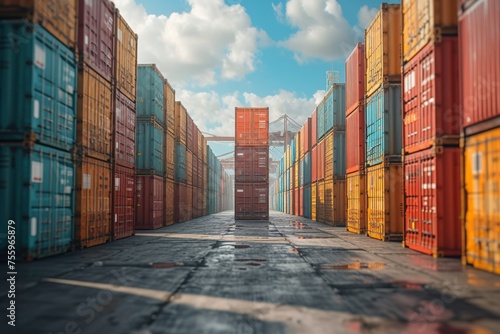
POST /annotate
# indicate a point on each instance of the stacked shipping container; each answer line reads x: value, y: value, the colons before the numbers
x: 251, y: 159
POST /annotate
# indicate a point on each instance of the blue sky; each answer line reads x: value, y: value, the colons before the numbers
x: 222, y: 54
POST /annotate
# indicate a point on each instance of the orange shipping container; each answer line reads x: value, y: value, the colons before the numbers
x: 58, y: 17
x: 189, y: 202
x: 180, y: 123
x: 320, y: 202
x: 320, y: 155
x: 383, y: 48
x: 189, y: 167
x: 356, y: 202
x: 169, y: 156
x: 94, y: 128
x: 169, y: 201
x: 385, y: 201
x: 314, y: 201
x: 169, y: 106
x: 92, y: 202
x: 252, y: 126
x: 335, y: 201
x: 126, y: 57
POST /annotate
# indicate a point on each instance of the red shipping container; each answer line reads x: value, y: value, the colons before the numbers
x: 180, y: 203
x: 96, y: 35
x: 149, y: 213
x: 355, y: 78
x: 252, y: 126
x: 305, y: 138
x: 314, y: 164
x: 430, y: 97
x: 251, y: 201
x: 169, y: 201
x: 194, y: 201
x: 123, y: 206
x: 479, y: 31
x: 432, y: 196
x: 355, y: 140
x: 251, y: 163
x: 314, y: 129
x: 320, y: 155
x: 125, y: 120
x: 189, y: 202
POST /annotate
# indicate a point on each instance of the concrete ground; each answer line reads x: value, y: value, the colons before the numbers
x: 286, y: 275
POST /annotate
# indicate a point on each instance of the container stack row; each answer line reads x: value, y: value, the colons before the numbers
x: 251, y: 161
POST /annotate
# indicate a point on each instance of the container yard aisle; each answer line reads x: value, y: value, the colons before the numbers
x: 286, y: 275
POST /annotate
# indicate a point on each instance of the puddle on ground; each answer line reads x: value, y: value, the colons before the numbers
x: 352, y: 266
x: 300, y: 226
x: 232, y: 245
x: 474, y: 280
x: 163, y: 265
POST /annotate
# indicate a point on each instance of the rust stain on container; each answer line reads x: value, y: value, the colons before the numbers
x: 126, y: 58
x: 356, y: 202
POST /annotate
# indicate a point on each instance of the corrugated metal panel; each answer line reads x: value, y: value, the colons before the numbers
x: 355, y: 140
x: 180, y: 163
x: 189, y: 133
x: 430, y: 96
x: 383, y: 124
x: 170, y: 156
x: 383, y: 48
x: 169, y: 106
x: 37, y: 189
x: 126, y: 58
x: 125, y: 123
x: 149, y: 213
x: 297, y: 176
x: 251, y: 201
x: 169, y: 201
x: 58, y: 17
x: 150, y: 94
x: 93, y: 202
x: 180, y: 210
x: 482, y: 198
x: 94, y: 128
x: 297, y: 202
x: 385, y: 201
x: 189, y: 167
x: 123, y: 214
x: 320, y: 121
x: 252, y: 126
x: 479, y: 30
x: 180, y: 123
x: 38, y: 87
x: 335, y: 154
x: 335, y: 201
x: 356, y: 202
x: 298, y: 153
x: 426, y: 21
x: 320, y: 202
x: 251, y: 164
x: 432, y: 201
x: 306, y: 201
x: 96, y: 36
x: 355, y: 78
x: 314, y: 202
x: 189, y: 202
x: 320, y: 155
x: 150, y: 146
x: 334, y: 109
x: 314, y: 164
x: 314, y: 128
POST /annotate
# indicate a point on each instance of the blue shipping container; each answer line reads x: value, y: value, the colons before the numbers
x: 305, y: 170
x: 307, y: 202
x: 38, y: 90
x: 150, y: 97
x: 293, y: 152
x: 149, y: 145
x: 335, y: 108
x: 180, y: 162
x: 383, y: 124
x: 320, y: 116
x: 37, y: 191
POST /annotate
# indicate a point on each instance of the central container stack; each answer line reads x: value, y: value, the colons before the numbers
x: 251, y: 157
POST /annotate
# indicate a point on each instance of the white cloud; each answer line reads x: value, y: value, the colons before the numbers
x: 278, y: 11
x: 199, y: 47
x: 323, y: 32
x: 366, y: 15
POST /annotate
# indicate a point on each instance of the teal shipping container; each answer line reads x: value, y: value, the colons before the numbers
x: 37, y: 191
x: 305, y: 169
x: 293, y: 151
x: 335, y: 108
x: 383, y: 124
x: 180, y: 162
x: 150, y: 94
x: 150, y: 143
x: 38, y: 89
x: 320, y: 123
x: 307, y: 202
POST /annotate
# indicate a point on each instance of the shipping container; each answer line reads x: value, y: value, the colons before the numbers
x: 355, y: 79
x: 94, y: 129
x: 150, y: 143
x: 479, y: 30
x: 432, y: 201
x: 320, y: 202
x: 189, y: 168
x: 331, y: 110
x: 169, y: 106
x: 252, y: 126
x: 38, y: 87
x: 126, y: 58
x: 296, y: 177
x: 189, y: 202
x: 169, y: 201
x: 37, y: 188
x: 314, y: 200
x: 92, y: 202
x: 124, y: 130
x: 123, y: 213
x: 58, y: 17
x: 431, y: 115
x: 180, y: 200
x: 180, y: 123
x: 170, y: 156
x: 305, y: 137
x: 335, y: 154
x: 251, y: 163
x: 320, y: 155
x: 383, y: 124
x: 194, y: 166
x: 383, y: 48
x: 314, y: 164
x: 335, y: 201
x: 355, y: 140
x: 314, y: 128
x: 149, y: 211
x: 180, y: 163
x: 150, y: 97
x: 306, y: 201
x: 297, y: 202
x: 356, y: 202
x: 96, y: 36
x: 189, y: 133
x: 320, y: 121
x: 385, y: 201
x: 482, y: 198
x: 251, y: 201
x: 426, y: 21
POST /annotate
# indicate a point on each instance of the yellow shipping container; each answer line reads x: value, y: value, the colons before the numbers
x: 482, y: 200
x: 425, y: 21
x: 169, y: 106
x: 169, y: 155
x: 356, y: 202
x: 313, y: 200
x: 383, y: 48
x: 297, y: 176
x: 385, y: 201
x: 335, y: 201
x: 126, y: 58
x: 297, y: 147
x: 180, y: 122
x: 320, y: 202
